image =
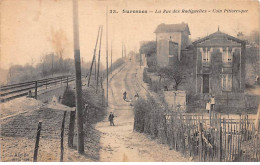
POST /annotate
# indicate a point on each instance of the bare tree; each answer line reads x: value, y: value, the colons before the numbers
x: 58, y: 40
x: 254, y: 37
x: 176, y: 73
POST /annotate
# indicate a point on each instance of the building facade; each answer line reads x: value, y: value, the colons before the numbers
x: 170, y: 40
x: 219, y: 64
x: 215, y: 65
x: 218, y: 69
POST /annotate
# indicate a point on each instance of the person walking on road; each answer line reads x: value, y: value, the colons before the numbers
x: 111, y: 119
x: 124, y: 97
x: 136, y: 96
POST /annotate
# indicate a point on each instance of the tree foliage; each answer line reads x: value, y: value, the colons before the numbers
x: 49, y: 65
x: 148, y: 48
x: 68, y: 98
x: 176, y: 72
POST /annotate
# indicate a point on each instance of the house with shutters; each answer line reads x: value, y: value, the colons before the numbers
x: 218, y: 68
x: 215, y: 64
x: 219, y: 64
x: 170, y: 40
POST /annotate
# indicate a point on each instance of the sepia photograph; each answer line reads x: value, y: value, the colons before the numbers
x: 129, y: 81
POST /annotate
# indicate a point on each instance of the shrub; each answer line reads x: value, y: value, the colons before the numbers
x: 146, y: 78
x: 152, y: 69
x: 140, y: 110
x: 69, y: 98
x: 155, y: 86
x: 147, y: 116
x: 95, y: 110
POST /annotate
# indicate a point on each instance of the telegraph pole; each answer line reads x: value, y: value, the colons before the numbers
x: 122, y: 50
x: 82, y: 63
x: 94, y: 58
x: 95, y: 69
x: 111, y: 57
x: 107, y: 49
x: 140, y: 60
x: 99, y: 58
x: 125, y: 51
x: 52, y: 64
x: 79, y: 109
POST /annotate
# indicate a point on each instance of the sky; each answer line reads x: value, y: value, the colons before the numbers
x: 25, y: 25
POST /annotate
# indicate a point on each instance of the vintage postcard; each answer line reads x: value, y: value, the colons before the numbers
x: 129, y: 81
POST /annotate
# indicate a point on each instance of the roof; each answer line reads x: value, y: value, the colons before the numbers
x: 167, y: 28
x: 218, y: 34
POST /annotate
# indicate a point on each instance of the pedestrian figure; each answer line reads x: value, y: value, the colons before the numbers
x: 257, y: 82
x: 136, y: 96
x: 212, y: 103
x: 124, y: 97
x: 29, y: 94
x: 111, y: 119
x: 165, y: 88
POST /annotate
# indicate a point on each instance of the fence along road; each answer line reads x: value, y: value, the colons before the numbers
x: 9, y: 92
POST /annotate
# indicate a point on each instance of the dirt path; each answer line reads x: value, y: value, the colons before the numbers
x: 119, y: 142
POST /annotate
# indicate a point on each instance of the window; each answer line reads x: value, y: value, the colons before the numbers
x: 227, y: 82
x: 205, y: 56
x: 227, y: 56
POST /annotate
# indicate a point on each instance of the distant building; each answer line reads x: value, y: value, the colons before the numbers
x: 170, y: 40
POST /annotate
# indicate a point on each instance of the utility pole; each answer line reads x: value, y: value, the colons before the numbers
x: 140, y: 59
x: 95, y: 69
x: 94, y: 58
x: 122, y: 50
x: 111, y: 58
x: 52, y: 64
x: 125, y: 51
x: 82, y: 63
x: 107, y: 49
x: 99, y: 58
x: 79, y: 110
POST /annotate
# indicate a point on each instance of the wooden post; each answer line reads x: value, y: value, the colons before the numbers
x: 35, y: 93
x: 233, y: 143
x: 94, y: 58
x: 107, y: 50
x: 111, y: 58
x: 79, y: 101
x: 247, y: 128
x: 200, y: 141
x: 99, y: 58
x: 257, y: 140
x: 95, y: 69
x: 122, y: 51
x: 37, y: 141
x: 67, y: 81
x: 225, y: 139
x: 61, y: 137
x: 46, y: 84
x: 220, y: 143
x: 71, y: 129
x: 102, y: 90
x: 210, y: 113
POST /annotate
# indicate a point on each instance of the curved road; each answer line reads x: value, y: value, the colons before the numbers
x: 119, y: 142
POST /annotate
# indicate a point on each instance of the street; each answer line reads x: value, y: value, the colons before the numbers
x: 119, y: 142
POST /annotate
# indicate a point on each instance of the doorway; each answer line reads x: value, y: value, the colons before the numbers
x: 205, y: 84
